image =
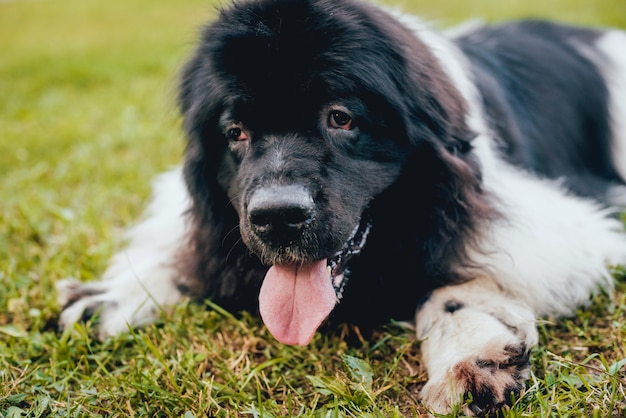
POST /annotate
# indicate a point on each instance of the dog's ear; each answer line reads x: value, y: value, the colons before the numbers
x: 436, y: 109
x: 200, y: 101
x: 213, y: 221
x: 444, y: 165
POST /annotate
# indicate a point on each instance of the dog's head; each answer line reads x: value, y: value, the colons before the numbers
x: 299, y: 113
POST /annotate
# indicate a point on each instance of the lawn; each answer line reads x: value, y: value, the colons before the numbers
x: 87, y: 118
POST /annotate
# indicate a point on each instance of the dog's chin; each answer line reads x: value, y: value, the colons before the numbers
x: 298, y: 295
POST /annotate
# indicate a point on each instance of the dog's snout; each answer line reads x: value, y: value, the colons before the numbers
x: 280, y: 213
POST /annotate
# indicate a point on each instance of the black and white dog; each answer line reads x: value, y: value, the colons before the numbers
x: 347, y: 162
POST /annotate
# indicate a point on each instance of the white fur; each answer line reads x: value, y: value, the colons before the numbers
x: 141, y: 278
x: 608, y: 55
x: 613, y: 44
x: 552, y: 250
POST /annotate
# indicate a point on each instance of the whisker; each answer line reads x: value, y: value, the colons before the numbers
x: 232, y: 230
x: 232, y: 248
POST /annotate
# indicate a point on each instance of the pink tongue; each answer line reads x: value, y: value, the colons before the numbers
x: 295, y: 299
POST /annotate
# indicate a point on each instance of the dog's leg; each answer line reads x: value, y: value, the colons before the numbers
x: 142, y: 278
x: 476, y: 342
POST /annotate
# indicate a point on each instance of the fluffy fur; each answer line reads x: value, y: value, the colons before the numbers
x: 349, y: 163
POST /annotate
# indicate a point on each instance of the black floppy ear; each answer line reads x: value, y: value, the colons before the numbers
x: 218, y: 262
x: 447, y: 171
x: 200, y: 101
x: 436, y: 110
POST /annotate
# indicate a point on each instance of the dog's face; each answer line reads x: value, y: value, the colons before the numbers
x: 298, y: 113
x: 301, y: 192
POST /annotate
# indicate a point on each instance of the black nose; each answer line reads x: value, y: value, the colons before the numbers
x: 278, y: 214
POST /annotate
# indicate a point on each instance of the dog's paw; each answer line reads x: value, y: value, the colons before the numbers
x: 476, y: 344
x: 484, y: 383
x: 114, y: 305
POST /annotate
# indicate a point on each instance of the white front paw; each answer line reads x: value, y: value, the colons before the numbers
x: 114, y: 305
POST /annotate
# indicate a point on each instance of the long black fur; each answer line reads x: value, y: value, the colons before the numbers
x: 276, y: 63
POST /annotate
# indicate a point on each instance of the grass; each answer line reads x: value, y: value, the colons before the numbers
x: 87, y: 117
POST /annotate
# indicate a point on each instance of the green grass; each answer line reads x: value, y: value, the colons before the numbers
x: 87, y: 117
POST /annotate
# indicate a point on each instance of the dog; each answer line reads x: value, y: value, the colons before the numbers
x: 347, y: 162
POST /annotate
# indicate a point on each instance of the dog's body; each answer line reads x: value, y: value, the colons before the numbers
x: 468, y: 178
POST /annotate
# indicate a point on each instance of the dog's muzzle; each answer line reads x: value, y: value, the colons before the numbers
x: 278, y: 215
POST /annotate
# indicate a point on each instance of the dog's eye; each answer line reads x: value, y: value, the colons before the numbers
x: 236, y: 133
x: 338, y: 119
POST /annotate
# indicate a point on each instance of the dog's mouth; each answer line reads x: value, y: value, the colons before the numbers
x: 296, y: 298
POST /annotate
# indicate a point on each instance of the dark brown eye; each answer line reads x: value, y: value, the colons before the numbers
x: 235, y: 133
x: 338, y: 119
